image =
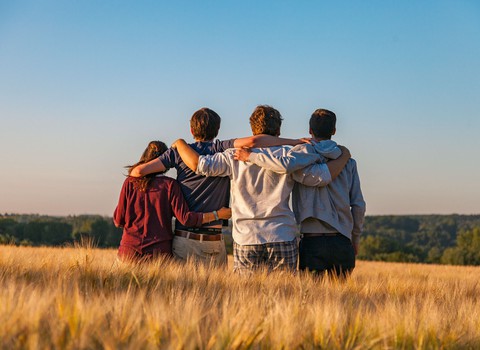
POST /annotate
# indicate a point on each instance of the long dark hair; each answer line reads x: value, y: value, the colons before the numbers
x: 153, y: 150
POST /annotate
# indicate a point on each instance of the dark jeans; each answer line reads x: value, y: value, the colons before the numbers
x: 331, y: 254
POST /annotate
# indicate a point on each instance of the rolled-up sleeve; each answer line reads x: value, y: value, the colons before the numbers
x: 217, y: 164
x: 315, y: 175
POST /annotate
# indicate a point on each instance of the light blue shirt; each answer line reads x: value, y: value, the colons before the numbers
x: 259, y: 196
x: 340, y: 204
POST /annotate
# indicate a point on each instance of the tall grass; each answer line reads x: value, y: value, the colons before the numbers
x: 82, y: 298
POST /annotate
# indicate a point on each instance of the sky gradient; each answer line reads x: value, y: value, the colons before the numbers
x: 84, y: 85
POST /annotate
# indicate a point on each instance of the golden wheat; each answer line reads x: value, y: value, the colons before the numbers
x: 82, y: 298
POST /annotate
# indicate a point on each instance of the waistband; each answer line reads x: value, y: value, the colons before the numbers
x: 202, y: 230
x: 199, y: 236
x: 329, y: 234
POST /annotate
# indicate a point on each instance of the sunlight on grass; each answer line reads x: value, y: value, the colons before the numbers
x: 83, y: 298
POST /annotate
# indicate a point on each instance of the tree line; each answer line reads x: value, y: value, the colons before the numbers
x: 435, y: 239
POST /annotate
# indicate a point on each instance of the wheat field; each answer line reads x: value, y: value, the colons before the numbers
x: 82, y: 298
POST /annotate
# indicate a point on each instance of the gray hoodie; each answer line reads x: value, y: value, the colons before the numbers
x: 340, y: 204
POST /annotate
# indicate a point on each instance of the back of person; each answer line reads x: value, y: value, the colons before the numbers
x: 332, y: 203
x: 202, y: 193
x: 260, y: 209
x: 331, y: 217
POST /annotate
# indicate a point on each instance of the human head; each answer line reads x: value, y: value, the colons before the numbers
x: 154, y: 150
x: 205, y: 124
x: 266, y: 120
x: 322, y: 123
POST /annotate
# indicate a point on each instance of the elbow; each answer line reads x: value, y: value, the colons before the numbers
x: 137, y: 172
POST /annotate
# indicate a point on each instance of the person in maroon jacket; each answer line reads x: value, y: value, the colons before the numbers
x: 145, y: 210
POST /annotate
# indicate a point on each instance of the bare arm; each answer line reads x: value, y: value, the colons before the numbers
x: 188, y: 154
x: 153, y: 166
x: 258, y: 141
x: 321, y: 174
x: 336, y: 166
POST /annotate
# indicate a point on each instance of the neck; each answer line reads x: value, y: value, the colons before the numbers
x: 318, y: 139
x: 198, y: 140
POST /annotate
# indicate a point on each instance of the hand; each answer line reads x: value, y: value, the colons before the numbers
x: 305, y: 140
x: 242, y: 154
x: 345, y: 151
x: 224, y: 213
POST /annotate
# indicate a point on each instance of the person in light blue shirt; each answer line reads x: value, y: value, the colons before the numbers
x: 330, y: 217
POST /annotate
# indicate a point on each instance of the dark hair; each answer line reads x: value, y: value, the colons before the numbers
x: 266, y: 120
x: 154, y: 150
x: 205, y: 124
x: 322, y: 123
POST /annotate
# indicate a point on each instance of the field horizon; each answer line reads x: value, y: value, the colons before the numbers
x: 83, y: 298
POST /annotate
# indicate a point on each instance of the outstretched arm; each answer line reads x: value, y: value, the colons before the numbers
x: 321, y: 174
x: 188, y: 154
x: 282, y: 164
x: 263, y: 140
x: 153, y: 166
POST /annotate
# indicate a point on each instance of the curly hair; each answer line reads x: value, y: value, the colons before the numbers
x: 266, y: 120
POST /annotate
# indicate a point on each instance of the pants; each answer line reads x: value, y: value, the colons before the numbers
x: 331, y: 254
x: 161, y: 249
x: 208, y: 252
x: 273, y: 256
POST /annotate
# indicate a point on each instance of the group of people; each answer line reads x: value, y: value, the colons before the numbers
x: 255, y: 176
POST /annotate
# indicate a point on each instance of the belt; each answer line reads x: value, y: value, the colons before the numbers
x: 199, y: 236
x: 329, y: 234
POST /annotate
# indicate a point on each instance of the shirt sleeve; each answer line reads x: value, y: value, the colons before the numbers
x: 221, y: 146
x: 295, y: 159
x: 120, y: 210
x: 357, y: 204
x: 314, y: 175
x: 180, y: 208
x: 217, y: 164
x: 169, y: 158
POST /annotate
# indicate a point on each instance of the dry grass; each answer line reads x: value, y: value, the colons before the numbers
x: 81, y: 298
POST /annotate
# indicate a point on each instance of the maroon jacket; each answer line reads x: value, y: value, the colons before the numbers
x: 146, y: 217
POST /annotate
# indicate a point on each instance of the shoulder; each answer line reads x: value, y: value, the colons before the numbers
x: 220, y: 146
x: 169, y: 157
x: 303, y: 148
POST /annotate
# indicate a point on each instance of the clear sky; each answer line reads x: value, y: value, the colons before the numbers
x: 84, y: 85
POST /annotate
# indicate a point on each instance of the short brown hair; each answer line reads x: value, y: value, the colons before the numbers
x: 205, y: 124
x: 322, y: 123
x: 266, y: 120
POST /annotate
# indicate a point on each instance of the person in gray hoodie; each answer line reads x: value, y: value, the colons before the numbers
x: 330, y: 217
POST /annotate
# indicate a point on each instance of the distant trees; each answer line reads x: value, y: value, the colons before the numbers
x: 45, y: 230
x: 467, y: 250
x: 435, y: 239
x: 448, y: 239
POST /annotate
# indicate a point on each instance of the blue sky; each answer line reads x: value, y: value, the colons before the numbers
x: 84, y: 85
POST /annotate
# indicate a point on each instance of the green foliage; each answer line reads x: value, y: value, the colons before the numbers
x: 421, y: 238
x: 467, y: 250
x: 445, y: 239
x: 48, y: 230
